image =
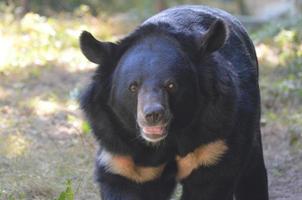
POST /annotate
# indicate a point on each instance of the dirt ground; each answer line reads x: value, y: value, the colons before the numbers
x: 42, y: 143
x: 284, y: 164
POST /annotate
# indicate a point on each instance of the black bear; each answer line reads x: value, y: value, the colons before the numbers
x: 177, y: 101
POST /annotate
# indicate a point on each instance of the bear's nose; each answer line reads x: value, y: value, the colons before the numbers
x: 154, y: 113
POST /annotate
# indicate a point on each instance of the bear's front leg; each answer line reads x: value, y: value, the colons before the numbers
x: 208, y: 173
x: 207, y: 187
x: 120, y: 179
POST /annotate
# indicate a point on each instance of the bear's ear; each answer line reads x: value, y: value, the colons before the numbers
x: 215, y: 37
x: 94, y: 50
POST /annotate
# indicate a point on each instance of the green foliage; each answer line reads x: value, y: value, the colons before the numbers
x: 57, y: 6
x: 279, y: 48
x: 36, y: 40
x: 68, y: 194
x: 270, y: 30
x: 85, y: 127
x: 284, y: 44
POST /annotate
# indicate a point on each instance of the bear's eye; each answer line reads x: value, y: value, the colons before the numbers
x: 133, y: 87
x: 170, y: 86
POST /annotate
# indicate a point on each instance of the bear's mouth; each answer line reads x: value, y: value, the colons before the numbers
x: 154, y: 133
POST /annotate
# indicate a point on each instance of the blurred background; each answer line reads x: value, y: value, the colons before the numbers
x: 46, y: 148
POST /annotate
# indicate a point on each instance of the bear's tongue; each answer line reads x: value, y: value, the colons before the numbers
x: 154, y: 130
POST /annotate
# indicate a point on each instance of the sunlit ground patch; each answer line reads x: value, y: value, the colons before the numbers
x: 266, y: 54
x: 13, y: 145
x: 5, y: 51
x: 4, y: 94
x: 44, y: 107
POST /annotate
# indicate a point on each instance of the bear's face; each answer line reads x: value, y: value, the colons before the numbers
x: 154, y: 88
x: 151, y: 84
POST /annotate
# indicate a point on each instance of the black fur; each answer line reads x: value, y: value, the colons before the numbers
x: 209, y: 54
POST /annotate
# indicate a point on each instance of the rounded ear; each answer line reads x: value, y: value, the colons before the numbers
x: 215, y: 37
x: 94, y: 50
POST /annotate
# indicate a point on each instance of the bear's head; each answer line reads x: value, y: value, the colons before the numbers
x: 151, y: 77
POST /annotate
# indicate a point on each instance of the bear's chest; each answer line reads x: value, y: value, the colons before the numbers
x: 126, y: 166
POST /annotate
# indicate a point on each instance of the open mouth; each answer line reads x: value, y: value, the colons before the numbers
x: 154, y: 133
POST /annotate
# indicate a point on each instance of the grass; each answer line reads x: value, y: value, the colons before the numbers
x: 43, y: 140
x: 68, y: 194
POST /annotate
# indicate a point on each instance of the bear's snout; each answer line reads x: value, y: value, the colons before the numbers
x: 153, y: 122
x: 154, y: 113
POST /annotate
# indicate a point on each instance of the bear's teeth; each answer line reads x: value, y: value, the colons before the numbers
x: 158, y: 130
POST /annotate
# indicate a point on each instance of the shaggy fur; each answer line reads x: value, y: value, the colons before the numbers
x: 206, y: 123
